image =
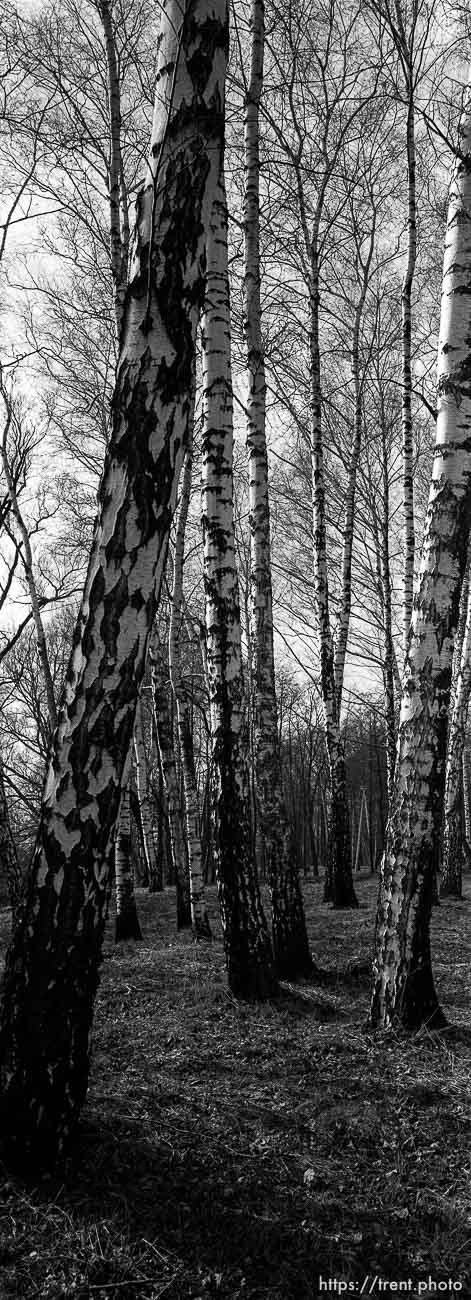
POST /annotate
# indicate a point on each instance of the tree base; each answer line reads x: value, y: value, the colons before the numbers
x: 253, y: 980
x: 293, y: 959
x: 343, y: 898
x: 202, y: 929
x: 411, y: 1005
x: 127, y: 925
x: 451, y: 891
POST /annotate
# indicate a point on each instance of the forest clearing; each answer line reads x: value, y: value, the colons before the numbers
x: 237, y: 1151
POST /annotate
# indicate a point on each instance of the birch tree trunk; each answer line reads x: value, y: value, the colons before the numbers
x: 467, y: 795
x: 403, y: 988
x: 142, y: 782
x: 28, y: 566
x: 119, y: 223
x: 406, y: 306
x: 290, y: 942
x: 52, y: 964
x: 199, y: 915
x: 363, y: 267
x: 246, y: 939
x: 164, y: 732
x: 338, y: 887
x: 9, y: 865
x: 452, y: 850
x: 127, y: 920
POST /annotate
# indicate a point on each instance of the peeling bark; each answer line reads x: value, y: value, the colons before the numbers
x: 246, y: 939
x: 403, y: 988
x: 290, y: 941
x: 53, y: 962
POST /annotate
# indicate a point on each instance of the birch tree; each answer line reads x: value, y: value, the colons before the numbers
x: 127, y: 921
x: 452, y: 846
x: 52, y: 964
x: 164, y: 728
x: 290, y: 942
x: 199, y: 915
x: 154, y: 875
x: 403, y: 989
x: 246, y: 939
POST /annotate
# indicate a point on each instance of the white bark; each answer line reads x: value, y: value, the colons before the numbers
x: 407, y: 426
x: 119, y: 222
x: 467, y: 791
x: 127, y: 922
x: 164, y: 731
x: 403, y: 987
x: 199, y: 915
x: 245, y: 932
x: 142, y: 783
x: 274, y: 834
x: 461, y: 690
x: 363, y: 267
x: 48, y: 1002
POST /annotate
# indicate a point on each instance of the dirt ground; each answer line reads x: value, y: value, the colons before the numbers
x: 275, y: 1152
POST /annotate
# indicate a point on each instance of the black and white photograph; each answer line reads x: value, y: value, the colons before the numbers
x: 235, y: 649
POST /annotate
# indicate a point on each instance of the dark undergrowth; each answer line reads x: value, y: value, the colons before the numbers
x: 245, y: 1151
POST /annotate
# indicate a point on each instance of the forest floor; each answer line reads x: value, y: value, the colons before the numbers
x: 267, y: 1152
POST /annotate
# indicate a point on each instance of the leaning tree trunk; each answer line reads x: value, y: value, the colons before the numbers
x: 403, y: 988
x: 290, y: 942
x: 164, y: 732
x: 52, y: 965
x: 127, y: 921
x: 246, y: 939
x: 338, y: 887
x: 154, y: 876
x: 199, y: 915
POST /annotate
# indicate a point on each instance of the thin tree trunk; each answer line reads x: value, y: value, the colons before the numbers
x: 164, y: 732
x: 116, y: 186
x: 407, y: 427
x: 467, y: 793
x: 290, y: 942
x: 341, y: 640
x: 9, y: 865
x: 338, y: 885
x: 127, y: 920
x: 28, y: 566
x: 199, y: 915
x: 246, y: 939
x: 386, y: 586
x: 452, y: 853
x: 52, y: 964
x: 142, y: 783
x: 403, y: 982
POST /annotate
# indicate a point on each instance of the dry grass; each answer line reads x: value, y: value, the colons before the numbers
x: 235, y: 1151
